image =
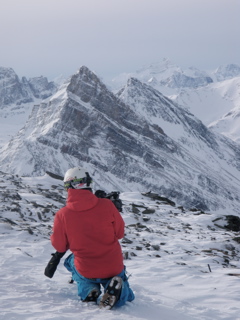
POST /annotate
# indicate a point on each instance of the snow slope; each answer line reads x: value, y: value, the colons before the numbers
x: 229, y: 124
x: 12, y: 119
x: 211, y: 102
x: 169, y: 255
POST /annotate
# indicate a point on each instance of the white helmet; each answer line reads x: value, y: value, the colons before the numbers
x: 77, y: 178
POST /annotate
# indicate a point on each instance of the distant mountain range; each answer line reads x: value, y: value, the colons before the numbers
x: 18, y: 91
x: 213, y: 96
x: 133, y: 139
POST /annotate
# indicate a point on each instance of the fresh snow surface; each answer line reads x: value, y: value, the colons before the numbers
x: 12, y: 119
x: 228, y: 125
x: 169, y: 253
x: 210, y: 103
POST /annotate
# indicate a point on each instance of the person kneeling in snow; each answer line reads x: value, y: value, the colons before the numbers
x: 91, y: 227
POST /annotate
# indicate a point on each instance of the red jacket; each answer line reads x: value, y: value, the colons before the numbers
x: 90, y: 227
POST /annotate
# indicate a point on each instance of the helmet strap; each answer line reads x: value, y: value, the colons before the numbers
x: 89, y: 179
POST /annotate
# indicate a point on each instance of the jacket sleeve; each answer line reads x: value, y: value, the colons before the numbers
x: 59, y: 238
x: 118, y: 223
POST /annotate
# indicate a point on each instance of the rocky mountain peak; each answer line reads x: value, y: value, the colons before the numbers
x: 85, y: 84
x: 138, y: 140
x: 16, y: 91
x: 6, y: 73
x: 227, y: 71
x: 160, y: 110
x: 11, y: 88
x: 91, y: 90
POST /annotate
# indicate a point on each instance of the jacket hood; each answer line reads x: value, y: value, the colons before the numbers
x: 81, y: 200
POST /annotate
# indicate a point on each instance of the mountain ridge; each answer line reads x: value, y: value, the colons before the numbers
x: 86, y: 124
x: 20, y: 91
x: 209, y: 95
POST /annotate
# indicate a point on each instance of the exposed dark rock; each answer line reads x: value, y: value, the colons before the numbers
x: 55, y: 176
x: 9, y: 221
x: 126, y: 240
x: 237, y: 239
x: 148, y: 211
x: 156, y: 197
x: 233, y: 223
x: 156, y: 247
x: 145, y: 219
x: 229, y: 222
x: 135, y: 209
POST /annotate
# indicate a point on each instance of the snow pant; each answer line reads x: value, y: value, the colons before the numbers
x: 86, y: 285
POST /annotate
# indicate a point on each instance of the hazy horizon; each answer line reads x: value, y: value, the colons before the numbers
x: 56, y: 37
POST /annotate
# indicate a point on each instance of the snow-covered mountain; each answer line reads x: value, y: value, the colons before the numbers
x: 229, y: 124
x: 227, y: 72
x: 217, y: 105
x: 17, y: 92
x: 212, y: 96
x: 211, y: 103
x: 136, y: 140
x: 17, y: 98
x: 165, y: 76
x: 169, y: 78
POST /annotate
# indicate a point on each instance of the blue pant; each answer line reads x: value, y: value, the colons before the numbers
x: 85, y: 285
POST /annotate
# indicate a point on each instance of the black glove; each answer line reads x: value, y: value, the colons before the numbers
x: 53, y: 263
x: 118, y: 204
x: 100, y: 194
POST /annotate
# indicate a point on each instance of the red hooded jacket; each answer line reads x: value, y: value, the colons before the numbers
x: 90, y: 227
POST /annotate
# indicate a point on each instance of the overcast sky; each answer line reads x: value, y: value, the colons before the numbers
x: 53, y: 37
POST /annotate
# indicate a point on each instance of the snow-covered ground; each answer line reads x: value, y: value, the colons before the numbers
x: 178, y: 262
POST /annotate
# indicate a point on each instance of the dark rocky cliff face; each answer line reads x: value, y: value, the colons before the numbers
x: 92, y: 118
x: 16, y: 91
x: 90, y: 89
x: 12, y: 90
x: 126, y: 142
